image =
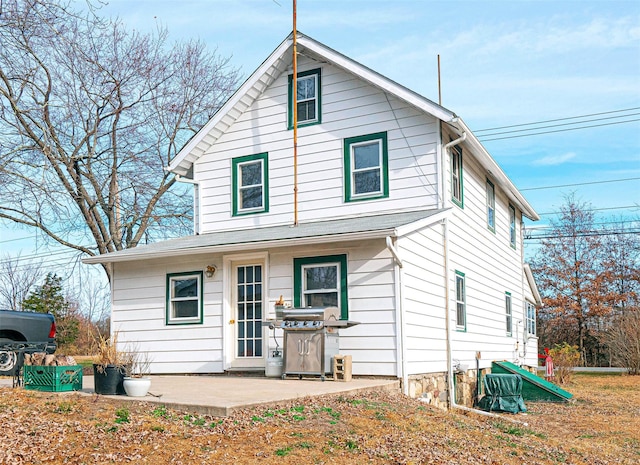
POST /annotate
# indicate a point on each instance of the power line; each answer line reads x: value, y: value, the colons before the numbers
x: 558, y: 130
x: 563, y: 124
x: 579, y: 184
x: 596, y: 209
x: 582, y: 234
x: 558, y: 119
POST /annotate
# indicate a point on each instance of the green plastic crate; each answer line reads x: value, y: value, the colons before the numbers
x: 53, y: 379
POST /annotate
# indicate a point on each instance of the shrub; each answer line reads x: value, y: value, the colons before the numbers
x: 564, y: 357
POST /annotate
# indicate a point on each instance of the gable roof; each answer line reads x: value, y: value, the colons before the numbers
x: 277, y: 63
x: 344, y: 229
x: 280, y: 60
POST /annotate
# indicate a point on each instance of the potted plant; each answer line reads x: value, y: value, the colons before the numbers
x: 137, y: 381
x: 110, y: 366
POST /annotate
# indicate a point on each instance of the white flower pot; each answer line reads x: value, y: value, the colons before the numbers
x: 137, y: 387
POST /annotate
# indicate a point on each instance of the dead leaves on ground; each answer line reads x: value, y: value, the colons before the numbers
x: 600, y: 427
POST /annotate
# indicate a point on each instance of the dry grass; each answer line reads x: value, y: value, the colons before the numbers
x: 600, y: 427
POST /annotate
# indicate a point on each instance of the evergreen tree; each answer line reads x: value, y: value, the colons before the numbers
x: 49, y: 298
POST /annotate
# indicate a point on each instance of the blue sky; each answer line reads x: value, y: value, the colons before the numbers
x: 503, y: 63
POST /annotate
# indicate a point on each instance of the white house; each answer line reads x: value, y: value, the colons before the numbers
x: 405, y: 222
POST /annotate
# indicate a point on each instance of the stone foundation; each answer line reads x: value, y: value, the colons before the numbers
x: 431, y: 388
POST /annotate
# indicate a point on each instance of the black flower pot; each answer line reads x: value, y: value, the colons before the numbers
x: 109, y: 379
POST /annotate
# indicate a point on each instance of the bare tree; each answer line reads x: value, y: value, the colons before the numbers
x: 17, y: 279
x: 623, y: 338
x: 90, y: 115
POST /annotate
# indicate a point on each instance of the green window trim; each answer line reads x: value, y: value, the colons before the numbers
x: 172, y: 300
x: 350, y: 171
x: 457, y: 184
x: 316, y: 73
x: 461, y: 301
x: 239, y: 162
x: 508, y: 313
x: 300, y: 263
x: 512, y: 226
x: 491, y: 206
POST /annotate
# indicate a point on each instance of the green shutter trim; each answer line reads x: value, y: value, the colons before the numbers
x: 167, y: 319
x: 298, y: 263
x: 459, y: 202
x: 235, y: 186
x: 348, y: 190
x: 318, y: 96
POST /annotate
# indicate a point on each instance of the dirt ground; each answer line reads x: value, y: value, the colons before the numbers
x: 601, y: 426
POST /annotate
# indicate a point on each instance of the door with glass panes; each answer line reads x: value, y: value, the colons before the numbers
x: 247, y: 314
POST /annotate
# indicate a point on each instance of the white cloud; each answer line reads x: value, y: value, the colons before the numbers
x: 554, y: 160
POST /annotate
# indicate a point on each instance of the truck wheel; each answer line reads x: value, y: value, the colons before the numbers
x: 8, y: 360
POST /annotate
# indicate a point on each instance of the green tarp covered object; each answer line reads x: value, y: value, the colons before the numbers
x: 503, y: 393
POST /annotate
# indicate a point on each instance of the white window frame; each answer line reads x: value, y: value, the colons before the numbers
x: 312, y: 77
x: 508, y: 303
x: 530, y: 318
x: 456, y: 177
x: 237, y: 186
x: 491, y: 206
x: 461, y: 301
x: 306, y: 292
x: 512, y: 226
x: 171, y: 319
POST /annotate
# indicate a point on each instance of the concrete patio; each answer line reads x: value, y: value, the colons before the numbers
x: 221, y: 395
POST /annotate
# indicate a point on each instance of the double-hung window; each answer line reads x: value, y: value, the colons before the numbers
x: 321, y: 282
x: 366, y: 167
x: 308, y: 98
x: 531, y: 318
x: 456, y: 176
x: 461, y: 302
x: 509, y: 313
x: 512, y: 226
x: 184, y: 298
x: 250, y: 184
x: 491, y: 206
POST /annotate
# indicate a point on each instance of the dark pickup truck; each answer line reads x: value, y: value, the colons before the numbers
x: 21, y: 333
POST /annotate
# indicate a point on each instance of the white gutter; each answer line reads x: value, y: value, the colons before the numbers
x: 401, y: 346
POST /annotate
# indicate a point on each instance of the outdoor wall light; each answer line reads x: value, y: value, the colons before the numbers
x: 210, y: 271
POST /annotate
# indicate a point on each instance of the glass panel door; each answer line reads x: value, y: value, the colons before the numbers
x: 249, y: 311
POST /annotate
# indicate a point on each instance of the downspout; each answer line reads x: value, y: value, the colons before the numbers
x: 196, y: 201
x: 450, y: 388
x: 445, y: 240
x: 402, y: 350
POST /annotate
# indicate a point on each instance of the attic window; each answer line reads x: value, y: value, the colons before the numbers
x: 308, y: 98
x: 250, y: 184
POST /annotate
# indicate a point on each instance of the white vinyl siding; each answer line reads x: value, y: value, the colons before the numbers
x: 490, y: 266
